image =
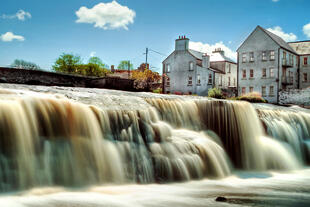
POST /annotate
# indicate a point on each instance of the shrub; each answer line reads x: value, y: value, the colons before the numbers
x: 215, y: 93
x: 253, y: 97
x: 158, y: 90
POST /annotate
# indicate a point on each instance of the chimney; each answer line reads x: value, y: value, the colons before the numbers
x: 181, y: 44
x: 205, y: 61
x: 112, y: 69
x: 219, y: 50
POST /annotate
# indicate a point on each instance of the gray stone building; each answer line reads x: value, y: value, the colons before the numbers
x: 187, y: 71
x: 303, y: 50
x: 267, y: 64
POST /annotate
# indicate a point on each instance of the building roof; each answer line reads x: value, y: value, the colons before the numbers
x: 301, y: 47
x: 279, y: 40
x: 214, y: 57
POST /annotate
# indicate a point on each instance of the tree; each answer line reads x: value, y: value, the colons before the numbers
x: 144, y: 79
x: 25, y: 65
x: 124, y: 64
x: 97, y: 61
x: 67, y: 63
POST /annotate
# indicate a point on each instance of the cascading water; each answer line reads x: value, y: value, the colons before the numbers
x: 55, y: 141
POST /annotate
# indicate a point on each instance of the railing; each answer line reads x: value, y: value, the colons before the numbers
x: 287, y: 63
x: 287, y: 80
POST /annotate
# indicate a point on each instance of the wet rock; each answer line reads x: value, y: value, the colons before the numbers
x: 221, y: 199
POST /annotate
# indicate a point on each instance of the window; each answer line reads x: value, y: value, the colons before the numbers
x: 168, y: 81
x: 264, y: 55
x: 272, y: 55
x: 251, y: 89
x: 210, y: 79
x: 263, y: 90
x: 291, y: 76
x: 191, y: 66
x: 228, y: 81
x: 234, y: 81
x: 251, y: 73
x: 284, y: 55
x: 244, y: 57
x: 243, y: 91
x: 305, y: 61
x: 305, y: 77
x: 271, y: 72
x: 244, y: 73
x: 229, y: 67
x: 168, y: 68
x: 264, y: 74
x: 190, y: 81
x: 220, y: 80
x: 251, y: 56
x: 291, y: 59
x: 271, y: 91
x: 198, y: 79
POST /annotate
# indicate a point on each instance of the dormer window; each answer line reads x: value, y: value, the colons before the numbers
x: 191, y: 66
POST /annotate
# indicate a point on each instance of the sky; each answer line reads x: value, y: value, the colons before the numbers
x: 40, y: 31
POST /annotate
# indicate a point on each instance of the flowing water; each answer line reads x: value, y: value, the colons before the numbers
x: 91, y: 147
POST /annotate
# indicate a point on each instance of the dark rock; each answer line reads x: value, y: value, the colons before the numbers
x: 221, y: 199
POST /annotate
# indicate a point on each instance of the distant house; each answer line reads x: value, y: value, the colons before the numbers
x: 188, y: 71
x: 124, y: 73
x: 267, y: 64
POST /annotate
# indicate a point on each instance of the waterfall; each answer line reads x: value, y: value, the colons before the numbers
x: 56, y: 141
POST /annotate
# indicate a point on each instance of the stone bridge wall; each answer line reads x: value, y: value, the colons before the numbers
x: 295, y: 96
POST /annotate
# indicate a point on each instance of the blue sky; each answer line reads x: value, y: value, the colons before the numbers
x: 45, y: 29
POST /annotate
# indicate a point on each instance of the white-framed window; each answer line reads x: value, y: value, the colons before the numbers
x: 271, y: 91
x: 272, y: 55
x: 234, y: 81
x: 272, y: 75
x: 264, y: 55
x: 229, y: 81
x: 244, y: 57
x: 191, y: 66
x: 190, y: 80
x: 264, y: 73
x: 220, y: 80
x: 264, y: 91
x: 305, y: 77
x: 251, y: 73
x: 244, y: 73
x: 198, y: 79
x: 210, y: 79
x: 168, y: 68
x: 229, y: 68
x: 251, y: 89
x: 243, y: 91
x: 251, y: 56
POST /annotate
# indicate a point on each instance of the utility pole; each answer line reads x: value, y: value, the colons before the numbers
x: 146, y: 53
x: 128, y: 68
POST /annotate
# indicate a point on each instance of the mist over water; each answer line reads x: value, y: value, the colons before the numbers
x: 62, y: 138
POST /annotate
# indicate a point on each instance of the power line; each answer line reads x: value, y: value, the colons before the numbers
x: 158, y: 52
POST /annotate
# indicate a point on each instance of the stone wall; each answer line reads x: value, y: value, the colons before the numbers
x: 37, y: 77
x: 295, y: 96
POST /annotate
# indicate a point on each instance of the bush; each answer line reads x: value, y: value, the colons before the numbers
x: 253, y: 97
x: 158, y: 90
x: 215, y: 93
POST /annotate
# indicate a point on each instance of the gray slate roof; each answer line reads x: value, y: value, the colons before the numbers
x: 279, y: 40
x: 213, y: 57
x: 302, y: 47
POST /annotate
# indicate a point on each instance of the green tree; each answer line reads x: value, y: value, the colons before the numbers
x: 25, y: 65
x: 97, y: 61
x: 67, y: 63
x: 124, y: 65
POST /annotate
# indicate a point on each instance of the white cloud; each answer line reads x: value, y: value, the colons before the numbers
x: 9, y: 36
x: 20, y: 15
x: 275, y: 0
x: 306, y: 30
x: 207, y: 48
x: 288, y: 37
x: 106, y: 15
x: 92, y: 54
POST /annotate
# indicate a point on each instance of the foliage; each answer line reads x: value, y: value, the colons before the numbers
x: 25, y: 65
x: 158, y: 90
x: 253, y: 97
x: 67, y: 63
x: 97, y: 61
x: 215, y: 93
x: 124, y: 64
x: 145, y: 78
